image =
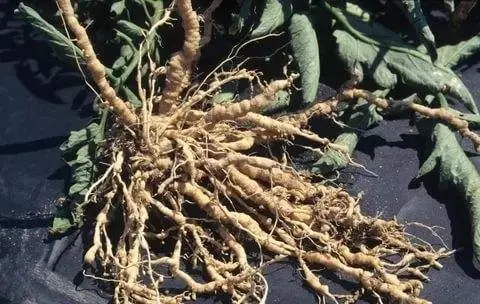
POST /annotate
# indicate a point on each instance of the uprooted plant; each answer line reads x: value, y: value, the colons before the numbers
x: 192, y: 184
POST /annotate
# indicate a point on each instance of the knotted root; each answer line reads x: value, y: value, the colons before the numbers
x: 435, y: 113
x: 96, y: 68
x: 191, y: 200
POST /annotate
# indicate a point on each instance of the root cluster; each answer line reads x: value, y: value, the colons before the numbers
x: 198, y: 207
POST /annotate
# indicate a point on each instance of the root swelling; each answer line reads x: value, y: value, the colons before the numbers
x: 189, y: 195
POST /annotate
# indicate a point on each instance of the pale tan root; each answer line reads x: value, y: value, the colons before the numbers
x: 241, y: 108
x: 438, y: 113
x: 180, y: 64
x: 190, y: 195
x: 96, y: 68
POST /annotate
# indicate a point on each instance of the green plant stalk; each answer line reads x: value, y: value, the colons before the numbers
x: 157, y: 15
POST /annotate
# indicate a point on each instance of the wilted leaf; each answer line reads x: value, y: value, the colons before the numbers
x: 451, y: 55
x: 372, y: 49
x: 455, y: 170
x: 306, y: 53
x: 275, y: 14
x: 62, y: 47
x: 413, y: 11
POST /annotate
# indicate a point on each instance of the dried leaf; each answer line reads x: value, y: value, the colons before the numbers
x: 370, y: 48
x: 62, y: 47
x: 306, y: 53
x: 275, y: 14
x: 455, y: 170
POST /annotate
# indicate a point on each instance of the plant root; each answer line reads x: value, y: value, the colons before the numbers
x: 190, y: 197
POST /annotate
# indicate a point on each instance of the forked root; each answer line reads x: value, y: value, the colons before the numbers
x: 191, y: 199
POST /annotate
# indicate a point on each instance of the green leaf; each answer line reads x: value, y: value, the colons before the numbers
x: 118, y: 64
x: 373, y: 50
x: 80, y: 152
x: 62, y: 47
x: 275, y: 14
x: 117, y: 8
x: 334, y: 160
x: 158, y: 10
x: 77, y: 139
x: 131, y: 29
x: 62, y: 222
x: 455, y: 170
x: 362, y: 117
x: 451, y: 55
x: 306, y: 53
x: 223, y: 97
x: 281, y: 102
x: 126, y: 51
x: 413, y: 10
x: 131, y: 97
